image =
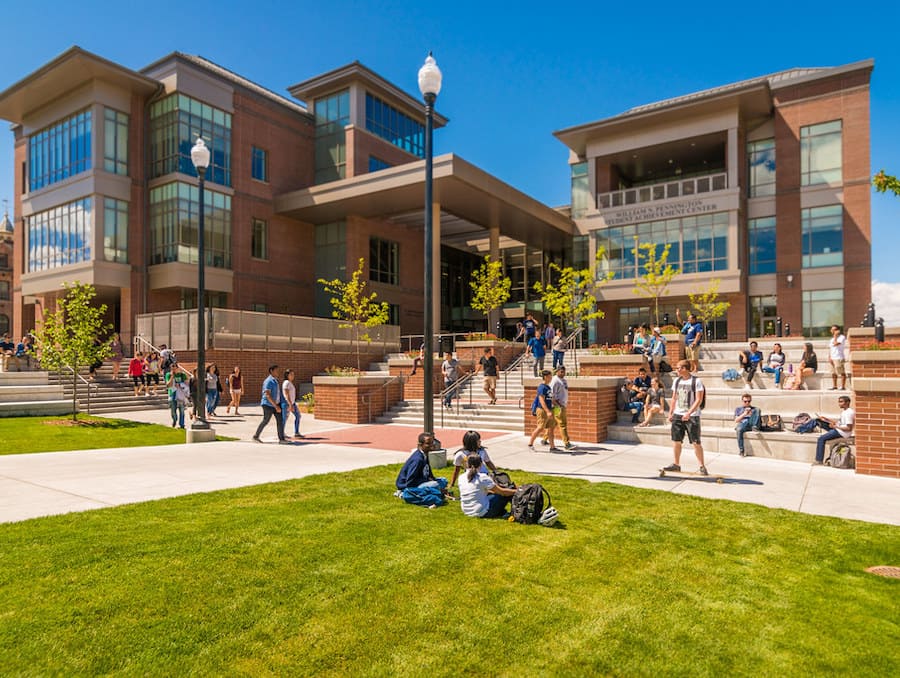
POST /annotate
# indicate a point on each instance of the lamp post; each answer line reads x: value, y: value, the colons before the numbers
x: 200, y: 158
x: 430, y: 86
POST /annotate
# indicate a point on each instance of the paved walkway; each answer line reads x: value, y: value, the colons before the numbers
x: 33, y: 485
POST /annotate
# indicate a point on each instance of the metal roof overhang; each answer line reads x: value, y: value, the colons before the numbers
x: 471, y: 200
x: 67, y: 72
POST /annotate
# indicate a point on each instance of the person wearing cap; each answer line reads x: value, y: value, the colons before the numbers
x: 657, y: 350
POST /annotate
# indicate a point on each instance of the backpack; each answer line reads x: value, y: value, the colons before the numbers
x: 502, y: 479
x: 693, y: 391
x: 665, y: 367
x: 423, y: 496
x: 771, y: 423
x: 168, y: 359
x: 528, y: 503
x: 730, y: 374
x: 841, y: 456
x: 803, y: 423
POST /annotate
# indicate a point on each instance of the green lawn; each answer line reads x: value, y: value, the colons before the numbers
x: 20, y: 435
x: 331, y: 575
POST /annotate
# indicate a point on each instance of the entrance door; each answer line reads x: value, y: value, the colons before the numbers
x: 763, y: 313
x: 767, y: 327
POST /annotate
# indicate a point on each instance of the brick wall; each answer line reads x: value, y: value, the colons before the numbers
x: 354, y: 400
x: 591, y: 409
x: 504, y: 351
x: 876, y: 400
x: 610, y: 365
x: 414, y: 388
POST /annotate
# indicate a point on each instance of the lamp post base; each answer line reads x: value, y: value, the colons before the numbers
x: 200, y: 432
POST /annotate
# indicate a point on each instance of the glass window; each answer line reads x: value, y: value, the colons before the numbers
x: 213, y: 299
x: 259, y: 162
x: 259, y: 308
x: 4, y: 261
x: 761, y: 157
x: 823, y: 236
x: 115, y: 142
x: 384, y: 261
x: 174, y: 216
x: 60, y: 151
x: 387, y: 122
x: 581, y: 190
x: 376, y: 164
x: 4, y: 323
x: 175, y: 123
x: 259, y: 240
x: 4, y: 290
x: 331, y: 261
x: 761, y: 245
x: 820, y: 154
x: 59, y: 236
x: 821, y: 310
x: 115, y: 230
x: 332, y: 116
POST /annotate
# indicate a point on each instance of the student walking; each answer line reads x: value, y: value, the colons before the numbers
x: 270, y: 402
x: 236, y: 384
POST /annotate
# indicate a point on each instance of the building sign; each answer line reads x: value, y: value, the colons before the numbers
x: 659, y: 210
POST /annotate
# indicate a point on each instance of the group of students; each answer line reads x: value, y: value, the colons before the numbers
x: 751, y: 360
x: 538, y: 341
x: 181, y: 388
x: 479, y: 495
x: 279, y: 401
x: 10, y: 349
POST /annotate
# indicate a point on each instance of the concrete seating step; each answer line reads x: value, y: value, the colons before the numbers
x: 35, y: 408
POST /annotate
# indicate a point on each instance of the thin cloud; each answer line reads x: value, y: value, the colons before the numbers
x: 886, y: 297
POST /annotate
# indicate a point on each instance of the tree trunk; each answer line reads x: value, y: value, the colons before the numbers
x: 74, y: 394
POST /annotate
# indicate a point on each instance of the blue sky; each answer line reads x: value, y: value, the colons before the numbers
x: 512, y: 74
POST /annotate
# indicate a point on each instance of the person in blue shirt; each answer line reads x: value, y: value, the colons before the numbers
x: 530, y: 327
x: 751, y: 360
x: 538, y: 352
x: 271, y: 405
x: 693, y: 335
x: 416, y: 472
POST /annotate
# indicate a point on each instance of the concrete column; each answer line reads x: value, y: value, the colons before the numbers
x: 731, y: 154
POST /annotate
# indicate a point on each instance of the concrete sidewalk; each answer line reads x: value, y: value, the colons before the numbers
x: 33, y: 485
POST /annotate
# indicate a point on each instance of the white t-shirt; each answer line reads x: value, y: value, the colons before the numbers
x: 836, y: 348
x: 847, y: 418
x: 289, y: 391
x: 459, y: 459
x: 473, y: 496
x: 681, y: 396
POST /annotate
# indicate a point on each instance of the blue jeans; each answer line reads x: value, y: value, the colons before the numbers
x: 176, y: 408
x: 558, y: 357
x: 635, y: 407
x: 496, y: 506
x: 211, y: 401
x: 833, y: 434
x: 451, y: 393
x: 289, y: 410
x: 774, y: 370
x: 745, y: 425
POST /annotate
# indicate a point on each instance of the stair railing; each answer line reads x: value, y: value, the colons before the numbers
x: 86, y: 382
x: 367, y: 397
x: 455, y: 387
x: 142, y: 345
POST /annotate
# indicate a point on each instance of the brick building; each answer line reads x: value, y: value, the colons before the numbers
x: 301, y: 189
x: 6, y: 273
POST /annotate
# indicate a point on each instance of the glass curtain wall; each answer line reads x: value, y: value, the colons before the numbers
x: 115, y: 230
x: 60, y: 151
x: 387, y: 122
x: 821, y: 154
x: 60, y: 236
x: 115, y: 142
x: 761, y: 158
x: 582, y: 200
x: 761, y: 245
x: 331, y: 261
x: 174, y: 218
x: 821, y: 310
x: 332, y: 115
x: 823, y: 236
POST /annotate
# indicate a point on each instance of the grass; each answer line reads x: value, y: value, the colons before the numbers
x: 20, y: 435
x: 331, y: 575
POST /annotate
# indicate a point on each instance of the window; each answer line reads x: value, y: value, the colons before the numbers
x: 60, y: 151
x: 59, y: 236
x: 115, y: 142
x: 821, y: 310
x: 698, y: 244
x: 761, y: 157
x: 332, y: 115
x: 213, y: 299
x: 820, y: 154
x: 823, y: 236
x: 4, y: 290
x: 387, y: 122
x: 581, y: 190
x: 761, y: 245
x: 384, y: 261
x: 4, y: 261
x: 175, y: 123
x: 174, y: 210
x: 259, y: 162
x: 393, y: 314
x: 259, y: 239
x: 259, y: 308
x: 4, y: 323
x: 376, y: 164
x: 115, y: 230
x: 331, y: 261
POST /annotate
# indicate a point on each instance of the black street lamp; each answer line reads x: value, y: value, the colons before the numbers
x: 200, y: 158
x: 430, y: 86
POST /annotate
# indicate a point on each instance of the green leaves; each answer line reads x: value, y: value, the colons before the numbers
x: 885, y: 182
x: 707, y: 305
x: 658, y: 273
x: 490, y: 288
x: 571, y: 298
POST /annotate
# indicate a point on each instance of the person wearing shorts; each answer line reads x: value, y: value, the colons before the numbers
x: 488, y: 363
x: 136, y: 372
x: 836, y: 357
x: 684, y: 415
x: 544, y: 412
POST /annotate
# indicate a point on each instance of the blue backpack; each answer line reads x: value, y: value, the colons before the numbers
x: 423, y: 496
x: 730, y: 374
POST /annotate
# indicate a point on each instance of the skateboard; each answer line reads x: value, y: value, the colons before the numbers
x: 695, y: 476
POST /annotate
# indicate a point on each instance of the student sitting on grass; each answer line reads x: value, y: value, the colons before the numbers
x: 416, y: 472
x: 471, y: 445
x: 479, y: 496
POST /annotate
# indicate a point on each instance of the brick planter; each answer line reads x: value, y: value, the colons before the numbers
x: 414, y: 384
x: 675, y: 348
x: 354, y: 400
x: 610, y: 365
x: 591, y: 409
x: 504, y: 351
x: 876, y: 386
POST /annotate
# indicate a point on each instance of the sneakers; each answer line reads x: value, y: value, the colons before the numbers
x: 285, y: 442
x: 256, y: 439
x: 672, y: 467
x: 703, y: 471
x: 544, y: 441
x: 755, y: 429
x: 554, y: 449
x: 569, y: 446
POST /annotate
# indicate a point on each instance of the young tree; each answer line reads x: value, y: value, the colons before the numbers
x: 658, y: 273
x: 68, y: 336
x: 571, y: 298
x: 490, y: 288
x: 354, y: 307
x: 707, y: 304
x: 885, y: 182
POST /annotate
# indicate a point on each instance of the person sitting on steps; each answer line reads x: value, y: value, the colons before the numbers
x: 746, y: 417
x: 750, y: 360
x: 654, y: 402
x: 842, y: 427
x: 775, y: 364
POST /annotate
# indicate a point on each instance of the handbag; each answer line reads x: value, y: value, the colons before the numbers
x: 771, y: 423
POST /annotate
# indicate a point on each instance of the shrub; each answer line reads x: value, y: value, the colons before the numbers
x: 481, y: 336
x: 669, y: 329
x: 611, y: 349
x: 336, y: 371
x: 892, y: 345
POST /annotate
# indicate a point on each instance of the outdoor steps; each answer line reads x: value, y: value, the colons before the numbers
x: 108, y: 396
x: 504, y: 416
x: 29, y: 394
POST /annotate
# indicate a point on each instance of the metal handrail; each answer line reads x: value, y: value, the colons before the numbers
x: 366, y: 397
x: 456, y: 386
x: 86, y: 383
x: 139, y: 341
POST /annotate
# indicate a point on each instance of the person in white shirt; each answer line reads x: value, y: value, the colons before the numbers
x: 842, y: 427
x: 684, y: 415
x: 479, y: 496
x: 289, y: 400
x: 836, y: 356
x: 471, y: 445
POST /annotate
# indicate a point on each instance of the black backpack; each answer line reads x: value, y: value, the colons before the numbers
x: 528, y: 503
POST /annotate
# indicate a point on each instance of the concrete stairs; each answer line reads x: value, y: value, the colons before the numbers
x: 29, y: 393
x: 504, y: 416
x: 109, y: 396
